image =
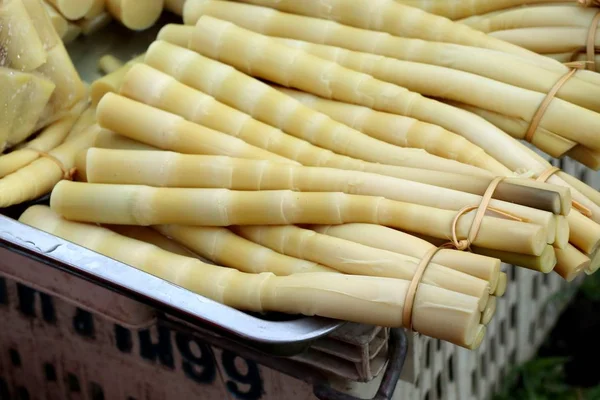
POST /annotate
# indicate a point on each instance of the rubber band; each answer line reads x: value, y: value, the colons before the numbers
x: 539, y: 114
x: 411, y: 293
x: 67, y: 173
x: 464, y: 244
x: 544, y: 176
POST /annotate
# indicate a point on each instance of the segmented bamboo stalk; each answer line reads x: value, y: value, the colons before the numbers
x: 372, y: 300
x: 72, y: 9
x: 152, y: 236
x: 135, y: 14
x: 399, y: 130
x: 144, y: 205
x: 48, y: 139
x: 545, y: 39
x: 39, y: 177
x: 148, y: 85
x: 357, y: 259
x: 570, y: 263
x: 495, y: 64
x: 171, y: 132
x: 299, y: 69
x: 223, y: 247
x: 111, y: 83
x: 543, y: 262
x: 109, y: 140
x: 394, y: 18
x: 384, y: 238
x: 456, y: 9
x: 22, y: 48
x: 168, y: 169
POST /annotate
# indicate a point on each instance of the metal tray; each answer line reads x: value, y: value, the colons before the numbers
x: 272, y: 333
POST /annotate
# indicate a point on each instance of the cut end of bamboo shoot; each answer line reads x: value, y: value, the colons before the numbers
x: 502, y: 285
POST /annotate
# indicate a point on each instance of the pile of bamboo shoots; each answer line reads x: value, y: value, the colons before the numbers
x: 72, y: 18
x: 506, y: 84
x: 325, y: 176
x: 38, y: 82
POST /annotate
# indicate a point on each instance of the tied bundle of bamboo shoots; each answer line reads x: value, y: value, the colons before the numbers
x: 227, y: 35
x: 436, y: 312
x: 39, y: 84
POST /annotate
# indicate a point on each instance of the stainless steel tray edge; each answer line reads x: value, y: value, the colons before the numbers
x: 152, y: 290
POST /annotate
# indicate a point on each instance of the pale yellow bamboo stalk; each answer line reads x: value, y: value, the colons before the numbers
x: 110, y: 140
x: 299, y: 69
x: 135, y: 14
x: 587, y: 157
x: 52, y: 136
x: 267, y: 104
x: 223, y: 247
x: 456, y: 9
x: 540, y: 74
x: 95, y: 24
x: 543, y: 15
x: 389, y: 239
x: 23, y: 98
x: 22, y: 48
x: 489, y: 311
x: 148, y: 85
x: 171, y: 132
x: 585, y: 234
x: 356, y: 259
x: 372, y: 300
x: 543, y: 262
x: 547, y: 141
x: 98, y: 7
x: 109, y: 63
x: 61, y: 25
x: 547, y: 39
x: 168, y: 169
x: 448, y: 84
x: 39, y: 177
x: 394, y: 18
x: 72, y: 9
x: 152, y: 236
x: 570, y: 262
x: 72, y: 33
x: 111, y: 83
x: 401, y: 131
x: 144, y: 205
x: 85, y: 120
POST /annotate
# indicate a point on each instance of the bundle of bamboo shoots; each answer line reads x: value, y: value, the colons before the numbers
x: 434, y: 69
x: 301, y: 76
x: 39, y: 84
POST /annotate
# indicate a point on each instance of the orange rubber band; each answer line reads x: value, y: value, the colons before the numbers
x: 544, y: 176
x: 409, y: 300
x: 539, y: 114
